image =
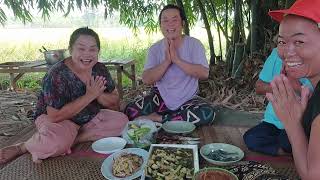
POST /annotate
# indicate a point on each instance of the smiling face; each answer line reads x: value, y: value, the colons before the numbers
x: 84, y: 52
x: 171, y: 24
x: 299, y: 47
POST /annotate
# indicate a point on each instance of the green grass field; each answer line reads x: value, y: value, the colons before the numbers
x: 24, y: 44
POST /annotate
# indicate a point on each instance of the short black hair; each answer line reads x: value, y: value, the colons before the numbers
x: 83, y: 31
x: 173, y: 6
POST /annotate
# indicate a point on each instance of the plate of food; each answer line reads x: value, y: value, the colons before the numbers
x: 214, y: 173
x: 178, y: 127
x: 125, y: 164
x: 173, y: 161
x: 221, y: 154
x: 108, y: 145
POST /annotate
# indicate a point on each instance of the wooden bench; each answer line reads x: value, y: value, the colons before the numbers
x: 18, y: 69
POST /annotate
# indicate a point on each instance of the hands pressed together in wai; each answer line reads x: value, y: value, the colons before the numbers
x: 171, y: 51
x: 287, y: 103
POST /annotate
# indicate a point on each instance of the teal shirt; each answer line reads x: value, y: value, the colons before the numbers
x: 271, y: 68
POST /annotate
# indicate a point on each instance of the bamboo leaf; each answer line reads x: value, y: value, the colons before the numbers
x: 3, y: 17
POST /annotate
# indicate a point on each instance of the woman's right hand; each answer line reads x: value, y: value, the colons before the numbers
x: 96, y: 86
x: 287, y: 105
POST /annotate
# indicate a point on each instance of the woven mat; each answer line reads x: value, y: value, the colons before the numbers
x: 283, y: 167
x: 52, y: 169
x: 76, y: 168
x: 289, y: 172
x: 250, y: 170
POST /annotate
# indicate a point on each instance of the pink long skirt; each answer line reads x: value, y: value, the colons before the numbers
x: 55, y: 139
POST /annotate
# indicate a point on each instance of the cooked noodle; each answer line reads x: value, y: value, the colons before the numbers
x: 126, y: 165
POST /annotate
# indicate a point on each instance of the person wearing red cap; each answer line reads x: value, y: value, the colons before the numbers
x: 299, y: 41
x: 269, y: 136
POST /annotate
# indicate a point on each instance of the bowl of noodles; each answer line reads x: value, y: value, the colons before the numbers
x: 214, y: 173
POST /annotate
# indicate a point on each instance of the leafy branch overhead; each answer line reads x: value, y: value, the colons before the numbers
x: 242, y: 24
x: 133, y: 13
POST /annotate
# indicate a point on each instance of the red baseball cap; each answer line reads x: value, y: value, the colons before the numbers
x: 309, y: 9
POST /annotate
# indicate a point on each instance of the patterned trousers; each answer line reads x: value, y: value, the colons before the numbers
x: 195, y: 110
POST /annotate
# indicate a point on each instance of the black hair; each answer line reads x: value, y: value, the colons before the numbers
x: 83, y: 31
x: 172, y: 6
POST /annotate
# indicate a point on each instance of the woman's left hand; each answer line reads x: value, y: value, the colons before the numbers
x: 288, y: 106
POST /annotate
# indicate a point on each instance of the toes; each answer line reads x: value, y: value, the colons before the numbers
x: 38, y: 161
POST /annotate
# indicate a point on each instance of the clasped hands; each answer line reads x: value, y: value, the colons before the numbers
x: 171, y: 51
x: 96, y: 86
x: 288, y: 105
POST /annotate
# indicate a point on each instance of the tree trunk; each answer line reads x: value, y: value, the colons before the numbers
x: 226, y: 24
x: 248, y: 45
x: 254, y: 27
x: 186, y: 28
x: 238, y: 61
x: 237, y: 22
x: 220, y: 46
x: 235, y: 34
x: 218, y: 24
x: 262, y: 27
x: 207, y: 26
x: 289, y: 3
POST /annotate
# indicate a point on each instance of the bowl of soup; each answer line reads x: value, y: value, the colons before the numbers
x: 213, y: 173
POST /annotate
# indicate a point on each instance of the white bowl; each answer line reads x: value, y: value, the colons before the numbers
x: 109, y: 145
x: 206, y: 149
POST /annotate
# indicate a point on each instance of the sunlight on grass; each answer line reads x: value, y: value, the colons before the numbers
x: 24, y: 44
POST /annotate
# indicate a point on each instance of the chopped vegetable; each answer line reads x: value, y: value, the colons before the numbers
x: 135, y: 132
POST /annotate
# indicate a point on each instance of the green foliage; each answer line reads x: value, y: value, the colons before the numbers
x: 31, y: 81
x: 4, y: 83
x: 20, y: 9
x: 133, y: 13
x: 11, y: 52
x: 3, y: 17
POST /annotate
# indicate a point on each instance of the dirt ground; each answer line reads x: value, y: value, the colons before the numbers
x: 15, y: 112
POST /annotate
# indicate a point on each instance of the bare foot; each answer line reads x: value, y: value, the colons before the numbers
x: 9, y: 153
x: 85, y: 137
x: 38, y: 161
x: 153, y: 116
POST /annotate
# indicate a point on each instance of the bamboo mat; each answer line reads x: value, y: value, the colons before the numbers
x: 85, y: 164
x: 58, y: 168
